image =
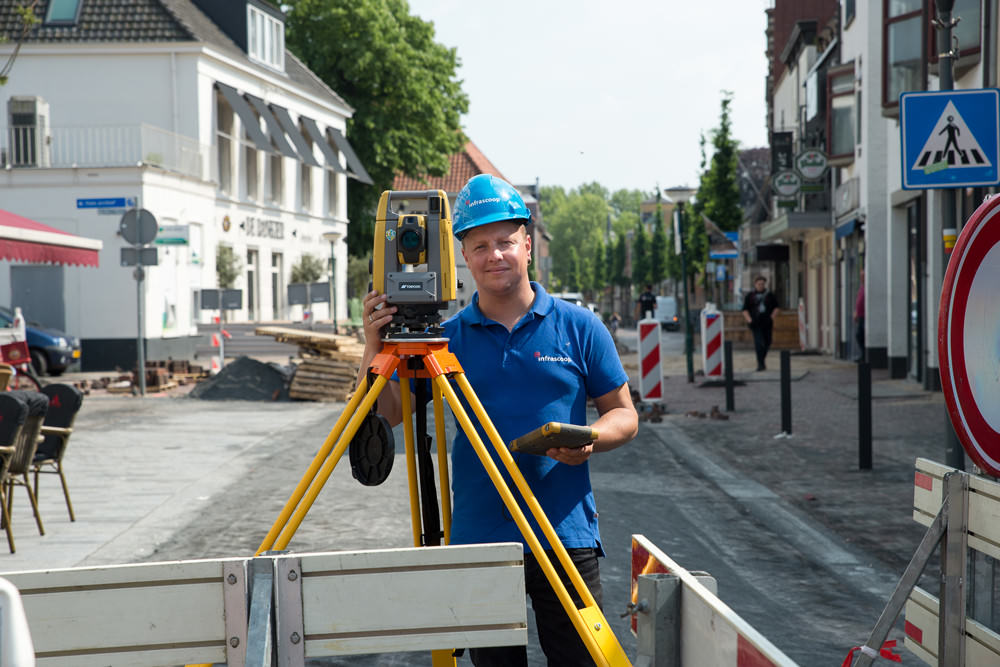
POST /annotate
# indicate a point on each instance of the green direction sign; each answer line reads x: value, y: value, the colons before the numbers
x: 173, y: 235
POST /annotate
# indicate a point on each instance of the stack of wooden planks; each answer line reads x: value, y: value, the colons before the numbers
x: 329, y: 365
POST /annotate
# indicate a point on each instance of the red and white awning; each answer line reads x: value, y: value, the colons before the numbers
x: 24, y: 240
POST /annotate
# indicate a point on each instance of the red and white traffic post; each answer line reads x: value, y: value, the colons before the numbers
x: 650, y: 370
x: 712, y: 331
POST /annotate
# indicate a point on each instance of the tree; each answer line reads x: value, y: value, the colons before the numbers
x: 626, y: 201
x: 619, y: 262
x: 572, y: 270
x: 640, y: 255
x: 576, y: 222
x: 402, y: 84
x: 228, y: 266
x: 719, y: 192
x: 358, y: 277
x: 658, y: 250
x: 27, y: 19
x: 599, y: 277
x: 308, y: 269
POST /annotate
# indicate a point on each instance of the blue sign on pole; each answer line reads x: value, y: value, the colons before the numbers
x: 106, y: 202
x: 950, y: 138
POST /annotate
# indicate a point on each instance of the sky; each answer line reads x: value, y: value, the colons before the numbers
x: 614, y: 91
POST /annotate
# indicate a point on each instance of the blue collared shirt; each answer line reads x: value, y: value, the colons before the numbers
x: 556, y: 357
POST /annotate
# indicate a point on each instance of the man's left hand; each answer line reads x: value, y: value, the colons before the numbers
x: 573, y: 456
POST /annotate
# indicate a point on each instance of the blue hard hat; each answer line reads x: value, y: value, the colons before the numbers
x: 485, y: 199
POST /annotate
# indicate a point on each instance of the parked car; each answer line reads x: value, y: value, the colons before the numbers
x: 666, y: 313
x: 572, y: 297
x: 52, y: 351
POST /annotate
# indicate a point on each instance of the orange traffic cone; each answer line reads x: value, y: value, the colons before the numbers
x: 215, y: 340
x: 215, y: 365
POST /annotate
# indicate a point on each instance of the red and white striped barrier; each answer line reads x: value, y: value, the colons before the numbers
x: 711, y: 341
x: 710, y: 632
x: 650, y: 370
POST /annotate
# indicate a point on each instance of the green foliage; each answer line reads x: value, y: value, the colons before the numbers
x: 641, y: 260
x: 658, y: 250
x: 571, y: 271
x: 228, y: 266
x: 599, y: 275
x: 626, y: 201
x: 401, y: 83
x: 619, y: 262
x: 718, y: 192
x: 358, y: 278
x: 309, y: 269
x: 27, y: 19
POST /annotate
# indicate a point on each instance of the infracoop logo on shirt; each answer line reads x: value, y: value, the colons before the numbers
x: 552, y: 358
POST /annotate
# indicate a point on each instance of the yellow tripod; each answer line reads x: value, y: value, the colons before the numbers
x: 439, y: 365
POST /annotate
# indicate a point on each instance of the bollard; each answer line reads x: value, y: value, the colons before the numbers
x: 727, y: 354
x: 786, y: 392
x: 864, y: 416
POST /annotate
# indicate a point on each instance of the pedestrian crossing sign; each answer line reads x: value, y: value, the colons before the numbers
x: 950, y: 138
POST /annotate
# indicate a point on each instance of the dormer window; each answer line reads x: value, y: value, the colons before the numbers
x: 265, y: 38
x: 63, y: 12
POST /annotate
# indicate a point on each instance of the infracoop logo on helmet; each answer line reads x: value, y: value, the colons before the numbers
x: 487, y: 200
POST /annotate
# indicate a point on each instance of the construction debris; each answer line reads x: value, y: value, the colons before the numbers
x: 245, y: 379
x: 329, y: 366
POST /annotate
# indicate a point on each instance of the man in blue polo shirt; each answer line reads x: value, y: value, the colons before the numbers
x: 531, y: 359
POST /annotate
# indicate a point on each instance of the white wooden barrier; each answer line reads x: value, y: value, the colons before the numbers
x: 982, y: 529
x: 711, y: 634
x: 186, y: 612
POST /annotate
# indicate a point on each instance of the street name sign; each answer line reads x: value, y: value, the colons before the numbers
x: 106, y: 202
x: 968, y: 333
x: 950, y: 138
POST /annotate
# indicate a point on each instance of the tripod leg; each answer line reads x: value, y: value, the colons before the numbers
x: 411, y: 460
x: 442, y: 451
x: 310, y: 473
x: 590, y: 623
x: 331, y: 462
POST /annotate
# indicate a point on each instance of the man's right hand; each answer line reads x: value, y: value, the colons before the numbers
x: 376, y: 314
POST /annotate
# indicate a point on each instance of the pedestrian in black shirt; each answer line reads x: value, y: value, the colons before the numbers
x: 760, y: 307
x: 647, y: 303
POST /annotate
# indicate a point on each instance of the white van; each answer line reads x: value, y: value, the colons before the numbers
x: 666, y: 313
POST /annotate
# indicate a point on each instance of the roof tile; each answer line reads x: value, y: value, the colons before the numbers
x: 463, y: 165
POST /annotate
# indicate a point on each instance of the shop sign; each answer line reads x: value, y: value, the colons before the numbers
x: 787, y: 184
x: 811, y: 164
x: 271, y: 229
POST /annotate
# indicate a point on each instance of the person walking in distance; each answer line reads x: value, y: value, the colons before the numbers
x: 760, y: 307
x: 646, y: 304
x: 531, y: 359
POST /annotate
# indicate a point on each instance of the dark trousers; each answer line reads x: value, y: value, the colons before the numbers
x: 559, y: 640
x: 762, y: 340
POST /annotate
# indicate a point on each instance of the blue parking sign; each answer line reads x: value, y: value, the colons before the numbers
x: 950, y: 138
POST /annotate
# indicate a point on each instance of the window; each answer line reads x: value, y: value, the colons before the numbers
x: 902, y: 53
x: 63, y: 12
x: 305, y: 175
x: 224, y: 142
x: 848, y: 12
x: 840, y: 116
x: 332, y: 178
x: 275, y: 178
x: 265, y: 38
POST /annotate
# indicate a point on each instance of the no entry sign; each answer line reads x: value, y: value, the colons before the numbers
x: 969, y: 336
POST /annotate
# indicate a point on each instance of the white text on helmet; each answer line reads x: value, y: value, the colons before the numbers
x: 488, y: 200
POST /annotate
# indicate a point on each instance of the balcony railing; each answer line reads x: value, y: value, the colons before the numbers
x: 114, y: 146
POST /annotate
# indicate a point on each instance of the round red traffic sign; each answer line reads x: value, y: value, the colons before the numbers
x: 969, y: 336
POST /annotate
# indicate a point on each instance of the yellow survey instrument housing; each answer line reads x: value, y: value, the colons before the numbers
x: 413, y: 259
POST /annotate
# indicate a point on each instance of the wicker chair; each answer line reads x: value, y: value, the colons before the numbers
x: 13, y: 414
x: 64, y: 402
x: 25, y: 447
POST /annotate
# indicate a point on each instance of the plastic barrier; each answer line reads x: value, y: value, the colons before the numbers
x: 711, y: 341
x: 650, y: 370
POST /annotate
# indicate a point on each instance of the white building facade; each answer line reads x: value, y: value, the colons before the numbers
x: 205, y: 121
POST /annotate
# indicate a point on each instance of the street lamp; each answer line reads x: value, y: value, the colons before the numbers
x: 681, y: 199
x: 333, y: 237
